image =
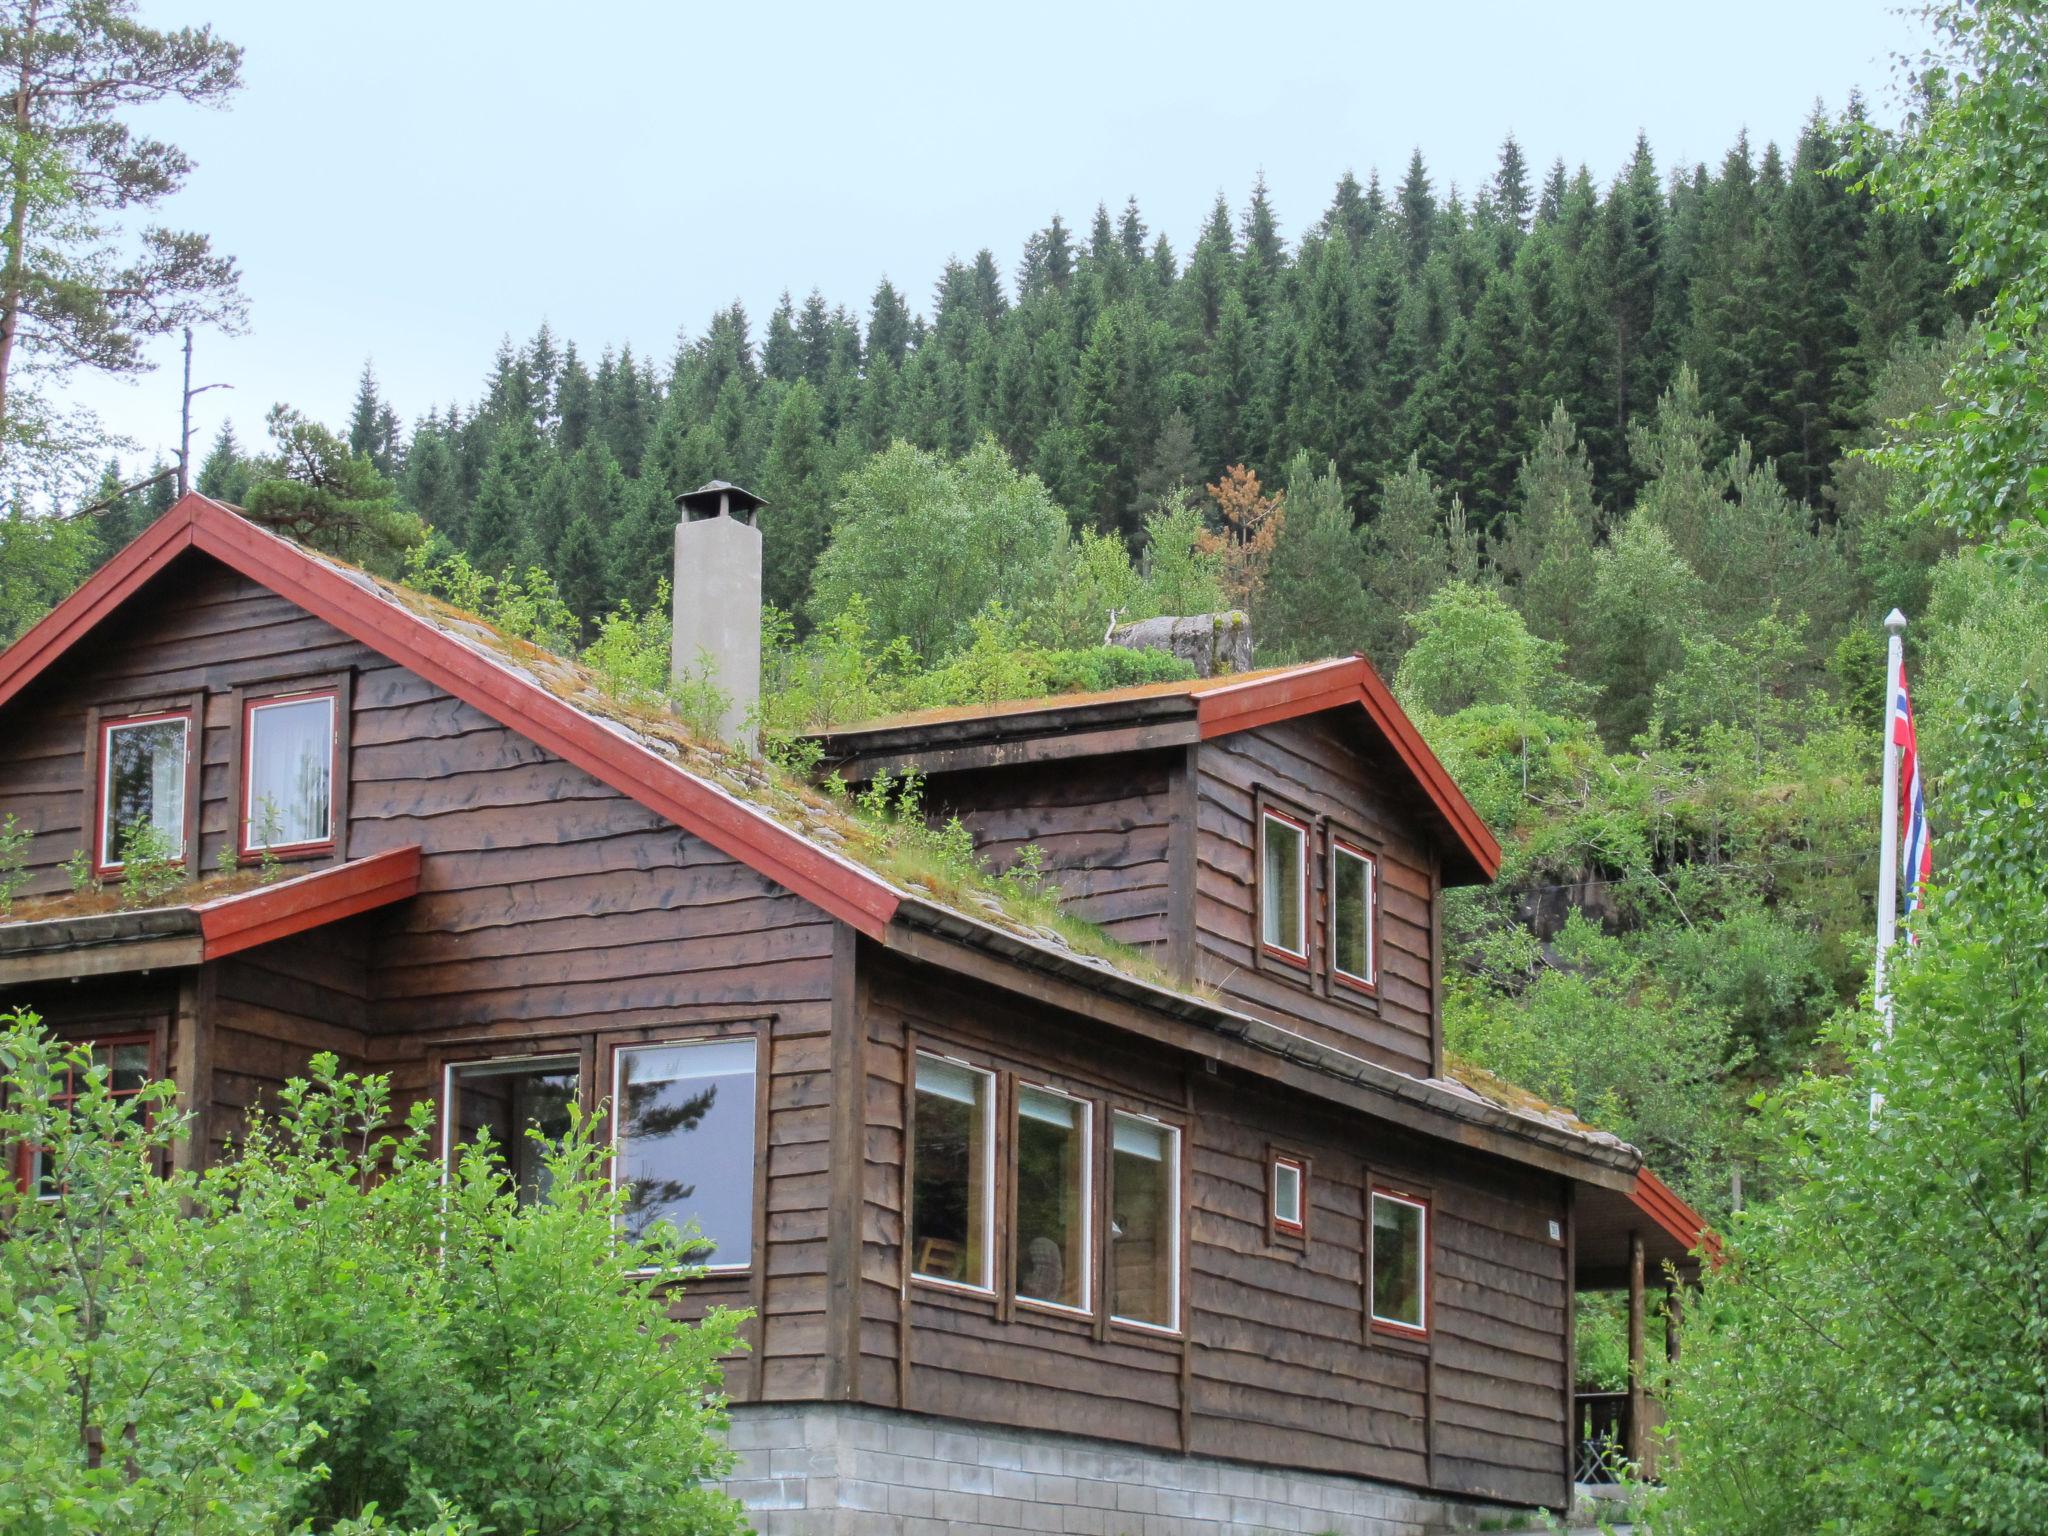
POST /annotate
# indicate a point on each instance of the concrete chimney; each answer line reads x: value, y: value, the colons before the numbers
x: 718, y: 599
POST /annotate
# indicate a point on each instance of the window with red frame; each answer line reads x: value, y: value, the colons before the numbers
x: 1354, y: 920
x: 288, y: 773
x: 1283, y: 886
x: 128, y: 1061
x: 142, y: 761
x: 1290, y: 1196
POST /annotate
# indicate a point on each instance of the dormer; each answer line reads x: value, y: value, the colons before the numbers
x: 1281, y: 837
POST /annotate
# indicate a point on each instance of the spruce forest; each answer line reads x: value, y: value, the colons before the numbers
x: 1578, y: 462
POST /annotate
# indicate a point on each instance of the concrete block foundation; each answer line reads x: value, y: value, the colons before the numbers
x: 824, y: 1469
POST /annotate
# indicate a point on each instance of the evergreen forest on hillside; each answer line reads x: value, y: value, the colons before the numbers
x: 1574, y: 463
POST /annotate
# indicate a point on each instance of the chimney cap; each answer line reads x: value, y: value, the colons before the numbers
x: 715, y: 496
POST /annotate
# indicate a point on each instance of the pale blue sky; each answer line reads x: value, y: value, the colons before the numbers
x: 407, y: 182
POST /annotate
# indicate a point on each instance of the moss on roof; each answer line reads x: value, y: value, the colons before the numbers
x: 104, y: 897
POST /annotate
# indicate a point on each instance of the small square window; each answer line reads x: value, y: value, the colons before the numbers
x: 1283, y: 886
x: 142, y: 783
x: 953, y: 1185
x: 1354, y: 898
x: 1400, y: 1262
x: 1290, y: 1196
x: 288, y: 773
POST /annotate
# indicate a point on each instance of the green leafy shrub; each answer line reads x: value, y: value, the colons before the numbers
x: 14, y: 843
x: 324, y: 1332
x: 150, y: 869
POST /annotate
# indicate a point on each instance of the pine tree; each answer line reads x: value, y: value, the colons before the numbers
x: 579, y: 571
x: 888, y: 325
x: 1511, y: 195
x: 1417, y: 209
x: 224, y: 474
x: 364, y: 434
x: 1407, y: 558
x: 782, y: 352
x: 1314, y: 601
x: 797, y: 481
x: 1545, y: 552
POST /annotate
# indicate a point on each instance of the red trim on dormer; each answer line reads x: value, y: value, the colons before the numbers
x: 1331, y: 685
x: 248, y: 918
x: 1658, y: 1201
x: 353, y: 604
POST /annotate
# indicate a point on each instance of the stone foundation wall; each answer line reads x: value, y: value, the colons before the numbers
x: 820, y: 1469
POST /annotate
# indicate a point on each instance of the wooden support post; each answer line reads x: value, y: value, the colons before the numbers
x: 1632, y: 1435
x: 1674, y: 1316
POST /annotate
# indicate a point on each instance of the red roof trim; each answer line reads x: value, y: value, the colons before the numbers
x: 1658, y: 1201
x: 729, y: 825
x: 105, y: 590
x: 248, y: 918
x: 1330, y: 685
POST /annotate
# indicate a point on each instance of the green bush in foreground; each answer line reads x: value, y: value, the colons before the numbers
x: 319, y: 1334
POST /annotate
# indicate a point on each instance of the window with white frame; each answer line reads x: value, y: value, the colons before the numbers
x: 1283, y: 885
x: 288, y: 772
x: 504, y: 1104
x: 1400, y: 1261
x: 1354, y: 900
x: 1144, y: 1227
x: 952, y: 1193
x: 1050, y: 1246
x: 1290, y: 1195
x: 142, y: 784
x: 684, y: 1132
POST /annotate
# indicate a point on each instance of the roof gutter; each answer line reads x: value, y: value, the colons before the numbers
x: 1597, y: 1158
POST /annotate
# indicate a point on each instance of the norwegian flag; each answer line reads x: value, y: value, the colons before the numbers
x: 1916, y: 861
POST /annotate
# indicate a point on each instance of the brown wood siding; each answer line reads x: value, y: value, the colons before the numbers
x: 1313, y: 766
x: 1278, y: 1364
x: 550, y: 907
x: 1103, y: 825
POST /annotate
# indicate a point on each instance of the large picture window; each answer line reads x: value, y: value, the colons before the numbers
x: 685, y: 1138
x: 1354, y: 896
x: 288, y: 772
x: 503, y: 1102
x: 1144, y: 1232
x: 1283, y: 886
x: 1051, y: 1247
x: 1400, y: 1262
x: 952, y: 1194
x: 142, y: 784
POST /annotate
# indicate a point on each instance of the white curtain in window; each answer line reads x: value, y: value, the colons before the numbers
x: 291, y: 765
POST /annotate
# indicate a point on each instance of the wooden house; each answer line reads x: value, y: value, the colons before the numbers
x: 1029, y: 1234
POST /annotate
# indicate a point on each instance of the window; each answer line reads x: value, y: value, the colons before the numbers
x: 1400, y: 1262
x: 142, y: 782
x: 1283, y: 885
x: 1290, y: 1196
x: 1354, y: 894
x: 1051, y: 1247
x: 1144, y: 1228
x: 685, y: 1141
x: 128, y: 1062
x: 288, y: 773
x: 504, y: 1100
x: 953, y: 1190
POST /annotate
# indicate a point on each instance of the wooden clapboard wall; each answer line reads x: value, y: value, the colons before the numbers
x: 553, y: 910
x: 1277, y: 1363
x: 1318, y: 768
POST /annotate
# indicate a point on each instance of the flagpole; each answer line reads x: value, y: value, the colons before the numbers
x: 1888, y: 851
